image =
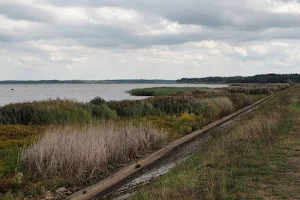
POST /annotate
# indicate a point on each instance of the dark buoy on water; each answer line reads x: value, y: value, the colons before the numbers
x: 12, y: 89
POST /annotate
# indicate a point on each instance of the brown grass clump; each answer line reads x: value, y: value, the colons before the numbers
x: 256, y: 89
x: 247, y: 136
x: 86, y: 152
x: 220, y: 106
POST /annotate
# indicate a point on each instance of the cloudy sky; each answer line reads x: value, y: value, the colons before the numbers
x: 169, y: 39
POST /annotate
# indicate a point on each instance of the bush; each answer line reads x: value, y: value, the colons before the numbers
x: 103, y: 112
x: 97, y: 101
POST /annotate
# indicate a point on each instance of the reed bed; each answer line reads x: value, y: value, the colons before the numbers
x: 52, y: 112
x: 175, y: 105
x: 256, y: 89
x: 62, y: 112
x: 219, y: 106
x: 82, y: 153
x: 163, y: 91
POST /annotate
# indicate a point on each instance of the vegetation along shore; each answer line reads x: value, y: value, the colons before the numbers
x: 257, y: 158
x: 50, y: 144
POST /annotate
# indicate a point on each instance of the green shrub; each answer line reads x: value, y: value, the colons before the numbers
x: 103, y: 112
x: 97, y: 101
x: 137, y: 165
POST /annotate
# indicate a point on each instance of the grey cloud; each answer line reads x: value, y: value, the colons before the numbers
x: 4, y: 38
x: 106, y: 36
x: 24, y: 12
x: 218, y: 14
x: 230, y: 23
x: 224, y: 20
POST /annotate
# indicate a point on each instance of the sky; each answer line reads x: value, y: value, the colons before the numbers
x: 147, y: 39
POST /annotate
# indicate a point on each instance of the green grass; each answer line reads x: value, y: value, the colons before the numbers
x: 162, y: 91
x: 54, y: 112
x: 61, y: 112
x: 250, y: 89
x: 12, y: 138
x: 199, y: 104
x: 177, y: 126
x: 181, y: 114
x: 238, y: 161
x: 295, y: 103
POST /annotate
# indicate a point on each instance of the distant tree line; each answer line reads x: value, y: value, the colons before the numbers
x: 42, y: 82
x: 120, y: 81
x: 262, y: 78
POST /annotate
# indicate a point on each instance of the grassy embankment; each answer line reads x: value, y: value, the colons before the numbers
x: 25, y: 123
x: 257, y: 158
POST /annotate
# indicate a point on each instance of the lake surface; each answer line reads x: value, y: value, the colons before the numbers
x: 79, y: 92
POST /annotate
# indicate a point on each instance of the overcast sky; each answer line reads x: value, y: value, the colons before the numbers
x: 153, y: 39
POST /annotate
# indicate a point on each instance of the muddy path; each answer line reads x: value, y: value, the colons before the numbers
x: 163, y: 166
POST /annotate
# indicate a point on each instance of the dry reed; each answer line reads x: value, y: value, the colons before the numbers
x: 86, y: 152
x: 219, y: 106
x: 247, y: 136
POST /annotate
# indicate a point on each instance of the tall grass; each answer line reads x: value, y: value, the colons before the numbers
x: 240, y: 100
x: 85, y: 152
x: 256, y: 89
x: 187, y: 100
x: 219, y: 106
x: 162, y: 91
x: 53, y: 112
x: 175, y: 105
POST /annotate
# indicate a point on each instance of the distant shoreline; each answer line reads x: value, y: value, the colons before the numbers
x: 261, y: 78
x: 140, y: 81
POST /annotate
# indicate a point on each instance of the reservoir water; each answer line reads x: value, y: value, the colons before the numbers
x: 13, y: 93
